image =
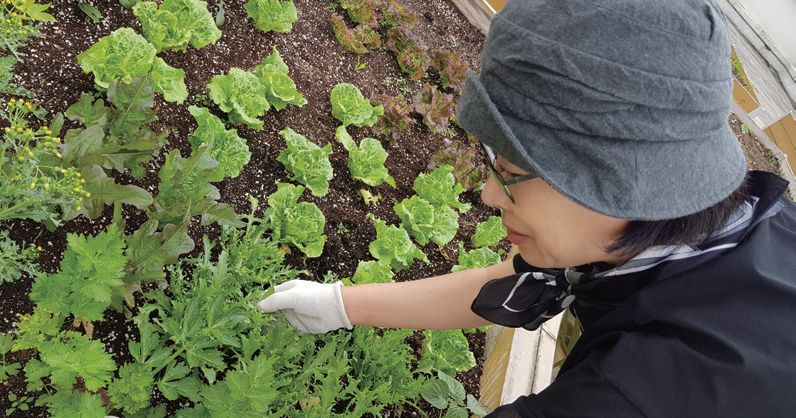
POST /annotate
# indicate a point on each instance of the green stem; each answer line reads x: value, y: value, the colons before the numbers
x: 12, y: 208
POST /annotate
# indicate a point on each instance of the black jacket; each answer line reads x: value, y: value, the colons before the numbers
x: 718, y: 339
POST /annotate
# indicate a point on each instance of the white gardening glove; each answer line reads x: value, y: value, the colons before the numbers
x: 310, y: 307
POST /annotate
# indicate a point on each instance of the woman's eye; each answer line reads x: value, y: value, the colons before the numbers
x: 504, y: 173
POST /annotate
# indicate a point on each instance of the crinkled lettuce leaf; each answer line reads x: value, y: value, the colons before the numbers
x: 393, y: 246
x: 440, y: 188
x: 177, y: 23
x: 350, y: 107
x: 241, y: 95
x: 125, y: 55
x: 299, y: 224
x: 365, y: 161
x: 271, y: 15
x: 306, y: 162
x: 225, y: 146
x: 426, y: 222
x: 280, y: 90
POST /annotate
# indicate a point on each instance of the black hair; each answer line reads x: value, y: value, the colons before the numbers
x: 689, y: 230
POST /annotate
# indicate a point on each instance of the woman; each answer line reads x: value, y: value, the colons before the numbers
x: 627, y: 195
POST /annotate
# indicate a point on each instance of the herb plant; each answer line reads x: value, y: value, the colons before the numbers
x: 271, y: 15
x: 14, y: 260
x: 393, y: 246
x: 448, y: 393
x: 176, y: 24
x: 299, y: 224
x: 125, y: 55
x: 18, y: 23
x: 365, y: 161
x: 351, y: 108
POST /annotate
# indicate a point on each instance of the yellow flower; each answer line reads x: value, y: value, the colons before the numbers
x: 33, y: 185
x: 88, y: 194
x: 38, y: 248
x: 21, y: 158
x: 47, y: 144
x: 49, y: 132
x: 78, y: 208
x: 57, y: 139
x: 80, y: 200
x: 59, y: 155
x: 77, y: 189
x: 7, y: 129
x: 63, y: 171
x: 82, y: 181
x: 30, y: 154
x: 46, y: 187
x: 77, y: 174
x: 19, y: 129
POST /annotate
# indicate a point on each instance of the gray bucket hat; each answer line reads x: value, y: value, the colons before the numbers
x: 620, y: 105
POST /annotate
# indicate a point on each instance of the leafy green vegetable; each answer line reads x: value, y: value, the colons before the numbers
x: 489, y: 233
x: 125, y: 55
x: 372, y: 272
x: 426, y: 222
x: 185, y: 190
x: 356, y: 40
x: 362, y: 11
x: 306, y: 162
x: 446, y: 351
x: 395, y: 14
x: 73, y: 403
x: 350, y: 107
x: 245, y: 392
x: 436, y: 107
x: 241, y: 95
x: 440, y: 188
x: 177, y: 23
x: 299, y: 224
x: 14, y: 260
x: 6, y: 370
x: 448, y: 393
x: 68, y: 356
x: 133, y: 388
x: 149, y: 251
x: 393, y: 246
x: 90, y: 272
x: 225, y: 146
x: 280, y: 90
x: 271, y: 15
x: 366, y: 161
x: 7, y: 82
x: 478, y: 258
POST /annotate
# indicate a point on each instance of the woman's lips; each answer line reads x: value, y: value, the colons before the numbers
x: 515, y: 237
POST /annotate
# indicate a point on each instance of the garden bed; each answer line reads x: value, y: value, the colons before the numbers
x: 317, y: 63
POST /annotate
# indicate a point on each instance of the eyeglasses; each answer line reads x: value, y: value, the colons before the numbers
x: 491, y: 160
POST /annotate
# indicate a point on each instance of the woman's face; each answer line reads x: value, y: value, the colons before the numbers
x: 550, y: 230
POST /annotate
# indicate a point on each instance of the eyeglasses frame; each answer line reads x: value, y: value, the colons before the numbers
x: 490, y: 157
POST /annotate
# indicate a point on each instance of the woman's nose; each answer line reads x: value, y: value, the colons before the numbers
x: 493, y: 194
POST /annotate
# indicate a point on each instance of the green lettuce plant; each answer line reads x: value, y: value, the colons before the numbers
x: 224, y: 146
x: 440, y: 188
x: 271, y: 15
x: 125, y: 55
x: 462, y: 158
x: 306, y: 162
x: 351, y: 108
x: 280, y: 90
x: 176, y: 23
x: 298, y: 224
x: 446, y: 351
x: 365, y: 161
x: 393, y: 246
x: 372, y: 272
x: 489, y: 233
x: 241, y: 95
x: 478, y: 258
x: 426, y: 222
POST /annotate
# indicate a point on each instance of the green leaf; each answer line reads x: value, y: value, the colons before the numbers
x: 299, y: 224
x: 133, y: 104
x: 133, y: 388
x: 271, y: 15
x: 280, y: 90
x: 447, y: 352
x: 177, y: 382
x: 36, y: 12
x: 440, y: 188
x: 474, y: 406
x: 225, y: 146
x: 456, y: 411
x: 393, y: 246
x: 169, y: 81
x: 306, y: 162
x: 240, y: 94
x: 77, y: 356
x: 104, y: 192
x: 372, y: 272
x: 88, y: 111
x: 478, y: 258
x: 177, y: 23
x: 436, y: 393
x: 455, y: 388
x: 366, y: 162
x: 149, y: 251
x: 90, y: 11
x: 71, y: 404
x: 489, y: 233
x: 350, y: 107
x: 425, y: 222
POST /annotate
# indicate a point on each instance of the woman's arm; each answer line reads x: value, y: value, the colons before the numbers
x: 441, y: 302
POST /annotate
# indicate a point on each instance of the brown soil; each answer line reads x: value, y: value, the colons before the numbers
x: 317, y: 62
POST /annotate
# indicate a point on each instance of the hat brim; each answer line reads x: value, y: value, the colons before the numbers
x: 634, y: 180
